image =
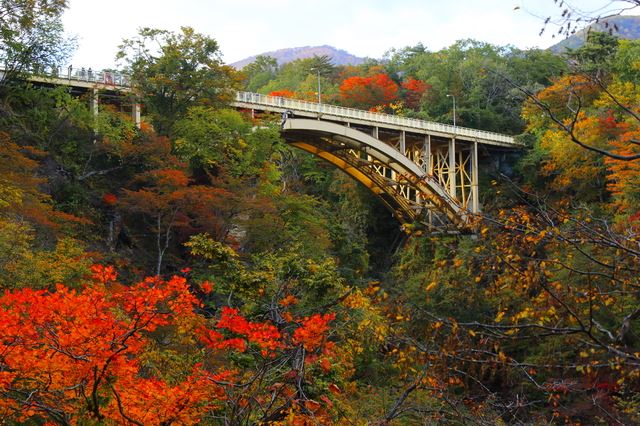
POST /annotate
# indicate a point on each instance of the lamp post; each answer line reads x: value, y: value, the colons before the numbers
x: 454, y: 111
x: 319, y: 92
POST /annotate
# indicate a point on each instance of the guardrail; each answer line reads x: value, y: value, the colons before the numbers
x: 298, y: 105
x: 111, y: 78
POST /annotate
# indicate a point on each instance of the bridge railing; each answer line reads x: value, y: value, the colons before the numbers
x: 111, y: 78
x: 298, y: 105
x: 114, y: 78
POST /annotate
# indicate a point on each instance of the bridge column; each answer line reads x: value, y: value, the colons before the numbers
x: 135, y: 113
x: 452, y: 167
x: 403, y: 142
x: 94, y: 101
x: 475, y: 201
x: 426, y: 155
x: 375, y: 132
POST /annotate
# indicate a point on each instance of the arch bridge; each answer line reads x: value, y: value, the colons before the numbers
x: 420, y: 170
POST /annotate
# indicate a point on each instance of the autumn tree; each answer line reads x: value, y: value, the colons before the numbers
x: 167, y: 201
x: 92, y: 355
x: 414, y: 90
x: 174, y: 71
x: 368, y: 92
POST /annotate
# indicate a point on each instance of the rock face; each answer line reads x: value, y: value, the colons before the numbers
x: 628, y: 27
x: 338, y: 57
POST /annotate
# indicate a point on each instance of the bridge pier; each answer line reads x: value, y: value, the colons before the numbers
x: 136, y: 112
x: 94, y: 101
x: 452, y: 167
x: 426, y: 155
x: 475, y: 200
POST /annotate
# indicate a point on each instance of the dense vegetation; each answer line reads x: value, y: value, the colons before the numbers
x: 199, y: 270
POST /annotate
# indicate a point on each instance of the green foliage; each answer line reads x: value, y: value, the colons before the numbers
x: 627, y: 61
x: 24, y: 264
x: 597, y: 53
x: 175, y: 71
x: 32, y: 36
x: 259, y: 72
x: 474, y: 72
x: 207, y: 137
x: 302, y: 76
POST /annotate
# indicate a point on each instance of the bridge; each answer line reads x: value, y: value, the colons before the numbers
x: 420, y: 170
x: 103, y: 87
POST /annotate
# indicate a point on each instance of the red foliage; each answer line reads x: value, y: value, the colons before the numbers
x: 283, y: 93
x: 78, y: 351
x: 368, y: 92
x: 311, y: 332
x: 265, y: 335
x: 103, y: 274
x: 414, y: 89
x: 82, y: 354
x: 109, y: 199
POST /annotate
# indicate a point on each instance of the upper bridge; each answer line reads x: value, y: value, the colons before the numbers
x: 421, y: 170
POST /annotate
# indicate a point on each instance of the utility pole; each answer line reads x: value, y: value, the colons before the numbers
x: 454, y: 112
x: 319, y: 88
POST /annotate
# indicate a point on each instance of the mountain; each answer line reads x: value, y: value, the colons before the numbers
x: 338, y: 56
x: 628, y: 27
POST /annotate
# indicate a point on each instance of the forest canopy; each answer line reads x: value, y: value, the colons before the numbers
x: 196, y: 269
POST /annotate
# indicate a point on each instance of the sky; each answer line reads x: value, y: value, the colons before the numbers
x: 366, y: 28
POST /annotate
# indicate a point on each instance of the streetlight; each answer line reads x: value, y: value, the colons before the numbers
x: 454, y: 111
x: 319, y: 93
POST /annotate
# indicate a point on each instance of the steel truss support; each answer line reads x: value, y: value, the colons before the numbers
x: 414, y: 178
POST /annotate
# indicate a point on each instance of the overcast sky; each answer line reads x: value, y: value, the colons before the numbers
x: 361, y: 27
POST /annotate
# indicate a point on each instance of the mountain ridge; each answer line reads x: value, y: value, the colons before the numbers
x: 628, y: 27
x: 283, y: 56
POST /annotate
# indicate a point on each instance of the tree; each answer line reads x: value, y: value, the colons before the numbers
x: 77, y: 357
x: 413, y: 92
x: 301, y: 77
x: 212, y: 139
x: 368, y: 92
x: 174, y: 71
x: 92, y: 355
x: 31, y: 35
x: 592, y: 70
x: 260, y: 72
x: 168, y: 201
x: 472, y: 71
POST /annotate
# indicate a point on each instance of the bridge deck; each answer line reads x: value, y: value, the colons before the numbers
x: 336, y: 113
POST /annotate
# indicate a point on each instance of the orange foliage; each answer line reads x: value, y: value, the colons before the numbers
x: 564, y: 91
x: 368, y: 92
x: 264, y: 335
x: 283, y: 93
x: 78, y: 354
x: 624, y: 176
x: 20, y: 193
x: 109, y: 199
x: 312, y: 330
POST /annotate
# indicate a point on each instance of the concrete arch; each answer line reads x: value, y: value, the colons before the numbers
x: 356, y: 153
